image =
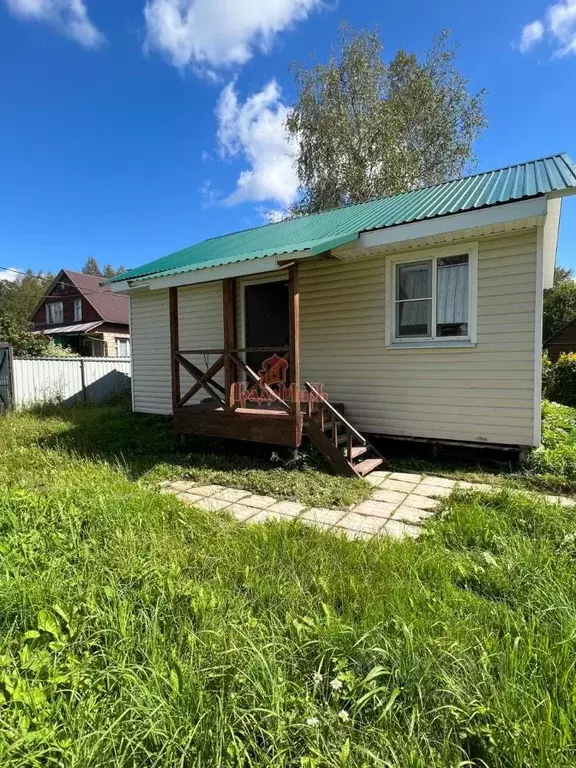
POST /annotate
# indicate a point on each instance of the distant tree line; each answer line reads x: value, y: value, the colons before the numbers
x: 91, y: 267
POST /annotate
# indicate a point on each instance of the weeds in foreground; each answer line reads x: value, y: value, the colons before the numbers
x: 135, y: 631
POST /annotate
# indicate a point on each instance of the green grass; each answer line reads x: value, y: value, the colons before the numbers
x: 136, y: 631
x: 550, y: 468
x: 145, y: 448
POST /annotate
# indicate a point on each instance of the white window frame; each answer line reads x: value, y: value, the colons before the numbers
x: 50, y: 304
x: 433, y: 254
x: 78, y: 310
x: 119, y: 340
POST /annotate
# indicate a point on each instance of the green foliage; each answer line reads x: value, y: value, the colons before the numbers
x: 546, y: 374
x: 559, y: 302
x: 24, y: 343
x: 555, y: 461
x: 559, y: 380
x: 91, y: 267
x: 55, y: 350
x: 366, y: 128
x: 136, y: 631
x: 18, y: 299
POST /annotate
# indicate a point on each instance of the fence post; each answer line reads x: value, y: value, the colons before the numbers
x: 83, y: 379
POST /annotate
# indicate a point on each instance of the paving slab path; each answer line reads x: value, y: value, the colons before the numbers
x: 398, y: 505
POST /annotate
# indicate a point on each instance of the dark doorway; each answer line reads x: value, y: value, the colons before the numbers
x: 267, y: 319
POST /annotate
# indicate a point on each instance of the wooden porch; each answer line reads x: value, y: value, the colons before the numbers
x: 267, y: 405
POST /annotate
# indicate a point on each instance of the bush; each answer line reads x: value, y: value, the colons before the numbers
x: 24, y: 343
x: 53, y: 350
x: 559, y: 379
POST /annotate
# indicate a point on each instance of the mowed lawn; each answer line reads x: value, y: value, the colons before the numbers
x: 136, y: 631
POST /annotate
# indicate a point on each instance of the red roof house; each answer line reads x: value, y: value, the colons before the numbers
x: 79, y: 313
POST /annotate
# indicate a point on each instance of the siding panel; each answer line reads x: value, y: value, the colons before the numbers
x: 151, y: 373
x: 484, y: 393
x: 201, y: 327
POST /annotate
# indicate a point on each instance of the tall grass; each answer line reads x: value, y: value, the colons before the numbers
x: 145, y: 447
x: 135, y: 631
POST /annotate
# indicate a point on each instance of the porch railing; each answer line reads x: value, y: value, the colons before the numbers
x: 231, y: 360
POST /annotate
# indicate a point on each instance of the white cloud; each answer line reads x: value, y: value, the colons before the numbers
x: 562, y: 25
x: 531, y: 34
x: 69, y: 16
x: 559, y: 26
x: 255, y: 130
x: 274, y: 215
x: 208, y: 34
x: 10, y: 274
x: 209, y: 194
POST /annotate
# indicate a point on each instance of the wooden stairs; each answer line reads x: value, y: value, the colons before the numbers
x: 346, y: 451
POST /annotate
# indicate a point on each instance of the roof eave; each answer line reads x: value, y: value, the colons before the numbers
x: 211, y: 274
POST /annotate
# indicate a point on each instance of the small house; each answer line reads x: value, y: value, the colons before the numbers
x: 417, y: 315
x: 84, y: 316
x: 563, y: 341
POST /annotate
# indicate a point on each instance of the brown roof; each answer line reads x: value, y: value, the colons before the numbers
x: 112, y: 307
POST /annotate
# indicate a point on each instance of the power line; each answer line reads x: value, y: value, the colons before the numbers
x: 83, y: 291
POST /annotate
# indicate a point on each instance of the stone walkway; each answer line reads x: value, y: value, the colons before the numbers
x: 398, y: 505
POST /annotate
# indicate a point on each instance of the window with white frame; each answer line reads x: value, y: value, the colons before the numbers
x: 77, y: 310
x: 433, y: 298
x: 54, y: 312
x: 122, y: 347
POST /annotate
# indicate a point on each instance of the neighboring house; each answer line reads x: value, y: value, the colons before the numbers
x: 79, y: 313
x: 419, y: 313
x: 563, y: 340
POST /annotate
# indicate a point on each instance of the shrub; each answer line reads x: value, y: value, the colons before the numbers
x: 559, y: 379
x: 53, y: 350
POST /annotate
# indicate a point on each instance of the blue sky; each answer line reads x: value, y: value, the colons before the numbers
x: 130, y: 129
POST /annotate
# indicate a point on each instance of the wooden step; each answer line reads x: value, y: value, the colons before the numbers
x: 367, y: 466
x: 357, y: 450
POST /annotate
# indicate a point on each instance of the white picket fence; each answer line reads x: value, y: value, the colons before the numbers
x: 69, y: 380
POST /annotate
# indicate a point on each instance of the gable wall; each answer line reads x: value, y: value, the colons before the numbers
x: 65, y: 292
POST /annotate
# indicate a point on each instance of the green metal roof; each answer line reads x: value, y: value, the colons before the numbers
x: 322, y: 231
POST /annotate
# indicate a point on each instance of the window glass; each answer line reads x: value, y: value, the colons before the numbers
x: 54, y: 312
x: 414, y: 299
x: 452, y: 296
x: 414, y: 281
x: 414, y: 318
x: 123, y: 347
x: 77, y: 310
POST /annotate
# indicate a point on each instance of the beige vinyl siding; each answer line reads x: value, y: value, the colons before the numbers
x: 482, y: 394
x: 151, y: 373
x: 201, y: 326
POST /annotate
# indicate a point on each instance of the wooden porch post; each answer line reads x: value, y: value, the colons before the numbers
x: 174, y: 344
x: 229, y: 309
x: 294, y: 304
